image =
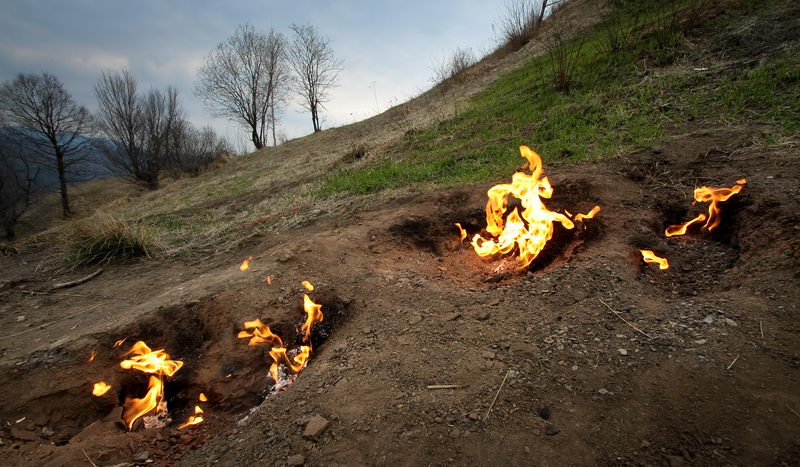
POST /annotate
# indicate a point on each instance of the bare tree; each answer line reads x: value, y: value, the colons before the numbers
x: 316, y: 69
x: 521, y: 19
x: 239, y: 79
x: 452, y: 66
x: 17, y: 179
x: 50, y: 125
x: 137, y: 127
x: 194, y: 149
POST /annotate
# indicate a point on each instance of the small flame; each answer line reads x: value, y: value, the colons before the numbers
x: 295, y: 364
x: 119, y: 343
x: 313, y: 316
x: 461, y: 231
x: 134, y: 408
x: 308, y: 286
x: 203, y: 397
x: 246, y: 264
x: 528, y: 231
x: 150, y: 361
x: 650, y: 257
x: 269, y: 280
x: 100, y: 388
x: 193, y: 419
x: 91, y: 355
x: 260, y: 334
x: 158, y: 364
x: 713, y: 196
x: 588, y: 215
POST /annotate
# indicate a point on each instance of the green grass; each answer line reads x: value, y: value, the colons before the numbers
x: 612, y: 109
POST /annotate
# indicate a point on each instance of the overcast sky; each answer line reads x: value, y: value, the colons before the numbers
x: 388, y: 46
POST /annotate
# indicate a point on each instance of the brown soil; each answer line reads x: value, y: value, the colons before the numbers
x: 697, y: 364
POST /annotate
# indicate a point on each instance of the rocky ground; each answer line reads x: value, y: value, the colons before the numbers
x: 589, y: 357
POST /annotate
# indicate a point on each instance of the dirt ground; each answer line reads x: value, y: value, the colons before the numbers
x: 590, y: 357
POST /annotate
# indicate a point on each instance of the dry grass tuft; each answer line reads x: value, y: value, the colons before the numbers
x: 105, y: 238
x: 8, y: 249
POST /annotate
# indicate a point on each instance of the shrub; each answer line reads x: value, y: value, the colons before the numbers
x: 519, y: 22
x: 452, y: 67
x: 8, y: 249
x: 106, y: 238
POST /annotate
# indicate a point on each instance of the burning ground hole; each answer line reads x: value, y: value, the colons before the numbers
x: 232, y: 377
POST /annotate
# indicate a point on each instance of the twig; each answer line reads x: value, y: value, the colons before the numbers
x: 36, y: 328
x: 761, y: 326
x: 734, y: 361
x: 444, y: 386
x: 37, y: 292
x: 80, y: 281
x: 88, y: 459
x: 626, y: 321
x: 495, y: 396
x: 792, y: 410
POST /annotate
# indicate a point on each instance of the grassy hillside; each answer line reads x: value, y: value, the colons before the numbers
x: 639, y: 73
x: 673, y: 72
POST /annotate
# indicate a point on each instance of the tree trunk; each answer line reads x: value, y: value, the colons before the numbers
x: 11, y: 234
x: 62, y: 181
x: 256, y: 139
x: 272, y: 112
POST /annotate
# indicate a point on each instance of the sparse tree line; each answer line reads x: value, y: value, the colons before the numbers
x: 144, y: 135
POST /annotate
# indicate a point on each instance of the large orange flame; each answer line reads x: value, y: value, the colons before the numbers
x: 527, y: 231
x: 649, y: 257
x: 313, y: 316
x: 100, y: 388
x: 158, y: 364
x: 713, y: 196
x: 261, y: 334
x: 295, y: 364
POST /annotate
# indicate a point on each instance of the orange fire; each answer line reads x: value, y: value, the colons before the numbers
x: 650, y: 257
x: 245, y: 264
x: 313, y: 316
x: 203, y: 397
x: 526, y: 232
x: 295, y: 364
x: 100, y: 388
x: 308, y: 286
x: 588, y: 215
x: 119, y: 342
x: 713, y: 196
x: 92, y: 355
x: 260, y: 334
x: 158, y: 364
x: 193, y: 419
x: 269, y: 280
x: 461, y: 231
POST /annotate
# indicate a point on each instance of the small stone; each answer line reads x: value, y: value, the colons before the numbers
x: 603, y: 391
x: 483, y: 316
x: 708, y: 319
x: 701, y: 341
x: 23, y: 435
x: 646, y: 444
x: 414, y: 319
x: 20, y: 318
x: 552, y: 430
x: 450, y: 316
x: 622, y: 351
x: 544, y: 412
x: 488, y: 354
x: 731, y: 322
x: 141, y: 456
x: 455, y: 433
x: 574, y: 367
x: 316, y: 426
x: 297, y: 459
x: 186, y: 439
x: 474, y: 416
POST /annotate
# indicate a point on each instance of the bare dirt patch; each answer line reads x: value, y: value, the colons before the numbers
x: 605, y: 359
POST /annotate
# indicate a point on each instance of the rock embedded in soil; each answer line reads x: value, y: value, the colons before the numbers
x: 141, y: 456
x: 315, y: 427
x: 414, y: 319
x: 23, y: 435
x: 297, y: 459
x: 552, y: 430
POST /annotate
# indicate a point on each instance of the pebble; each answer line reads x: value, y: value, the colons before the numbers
x: 316, y: 426
x: 603, y: 391
x: 141, y: 456
x: 701, y: 341
x: 622, y: 351
x: 414, y: 319
x: 731, y: 322
x: 488, y: 354
x: 297, y: 459
x: 708, y: 319
x: 20, y: 318
x: 552, y: 430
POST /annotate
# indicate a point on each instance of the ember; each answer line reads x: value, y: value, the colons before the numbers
x: 526, y: 232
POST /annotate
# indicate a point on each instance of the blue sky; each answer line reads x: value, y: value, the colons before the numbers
x: 392, y: 44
